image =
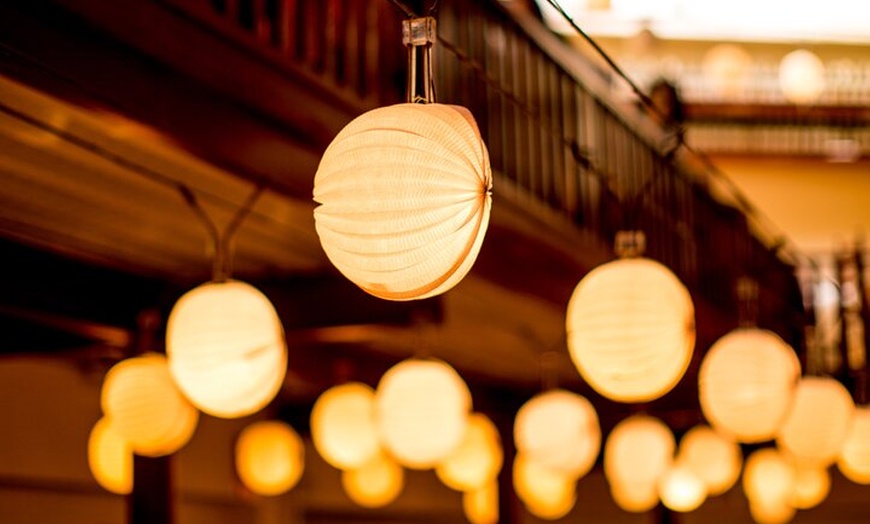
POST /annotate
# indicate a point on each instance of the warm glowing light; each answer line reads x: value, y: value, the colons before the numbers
x: 745, y: 384
x: 640, y: 449
x: 110, y: 458
x: 768, y: 478
x: 811, y: 487
x: 801, y: 77
x: 481, y: 505
x: 343, y: 425
x: 854, y: 459
x: 634, y: 497
x: 559, y: 430
x: 477, y: 460
x: 726, y: 66
x: 771, y: 512
x: 226, y: 348
x: 270, y: 457
x: 421, y: 411
x: 404, y: 194
x: 546, y: 493
x: 681, y: 489
x: 818, y: 421
x: 146, y: 408
x: 631, y: 329
x: 714, y: 458
x: 376, y: 483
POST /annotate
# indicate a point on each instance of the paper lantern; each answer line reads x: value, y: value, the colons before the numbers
x: 559, y: 430
x: 817, y: 423
x: 714, y: 458
x: 421, y: 411
x: 745, y: 384
x: 477, y: 460
x: 801, y: 77
x: 811, y: 487
x: 768, y: 477
x: 481, y: 505
x: 404, y: 194
x: 226, y: 348
x: 854, y: 459
x: 631, y: 329
x: 376, y: 483
x: 145, y: 406
x: 681, y: 489
x: 634, y: 497
x: 640, y: 449
x: 110, y: 458
x: 270, y: 457
x: 548, y: 494
x: 771, y: 512
x: 343, y: 425
x: 726, y: 67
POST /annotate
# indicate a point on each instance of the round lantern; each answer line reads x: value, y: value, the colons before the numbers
x: 404, y: 194
x: 640, y: 449
x: 270, y: 457
x: 745, y: 384
x: 343, y: 425
x: 726, y: 67
x: 631, y: 329
x: 481, y: 505
x: 559, y: 429
x: 478, y: 458
x: 421, y: 411
x: 768, y: 478
x: 376, y: 483
x: 714, y: 458
x: 771, y: 513
x: 226, y: 348
x: 854, y: 459
x: 145, y: 406
x: 681, y: 489
x: 110, y: 458
x: 801, y: 77
x: 634, y: 497
x: 818, y: 421
x: 546, y: 493
x: 811, y: 487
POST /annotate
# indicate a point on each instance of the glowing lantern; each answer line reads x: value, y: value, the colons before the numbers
x: 854, y: 459
x: 404, y: 194
x: 768, y: 478
x: 270, y: 457
x: 146, y: 408
x: 110, y: 458
x: 226, y: 348
x: 681, y: 489
x: 559, y: 430
x: 376, y: 483
x: 726, y: 66
x: 771, y: 512
x: 343, y: 425
x: 634, y: 497
x: 640, y: 450
x: 478, y: 458
x: 818, y: 421
x: 421, y: 411
x: 631, y: 329
x: 801, y: 77
x: 811, y: 487
x: 546, y: 493
x: 745, y: 384
x: 715, y: 459
x: 481, y: 505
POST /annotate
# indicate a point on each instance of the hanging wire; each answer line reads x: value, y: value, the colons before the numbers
x: 403, y: 7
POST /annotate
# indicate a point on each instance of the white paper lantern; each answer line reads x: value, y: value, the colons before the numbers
x: 145, y: 406
x: 768, y: 478
x: 640, y: 449
x: 343, y: 425
x: 110, y: 458
x: 548, y: 494
x: 817, y: 423
x: 481, y: 505
x: 270, y: 457
x: 745, y: 384
x: 854, y: 459
x: 631, y: 329
x: 226, y: 348
x: 811, y: 487
x: 421, y: 411
x: 801, y: 77
x: 714, y: 458
x: 559, y: 430
x: 376, y: 483
x: 681, y: 489
x: 404, y: 194
x: 477, y: 460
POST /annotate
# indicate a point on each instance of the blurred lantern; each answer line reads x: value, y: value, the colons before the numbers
x: 481, y: 505
x: 801, y: 77
x: 634, y: 497
x: 681, y: 489
x: 768, y: 478
x: 745, y: 384
x: 376, y: 483
x: 726, y: 67
x: 631, y: 328
x: 478, y: 458
x: 110, y: 458
x: 546, y: 493
x: 343, y: 425
x: 226, y: 348
x: 771, y: 512
x: 145, y: 406
x: 818, y: 421
x: 421, y: 411
x: 559, y: 430
x: 854, y: 459
x: 811, y: 487
x: 714, y: 458
x: 270, y: 457
x: 640, y: 449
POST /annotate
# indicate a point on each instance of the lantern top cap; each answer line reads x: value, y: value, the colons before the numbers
x: 419, y: 31
x: 630, y: 244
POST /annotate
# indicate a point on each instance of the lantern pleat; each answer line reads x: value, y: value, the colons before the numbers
x: 854, y: 459
x: 343, y: 426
